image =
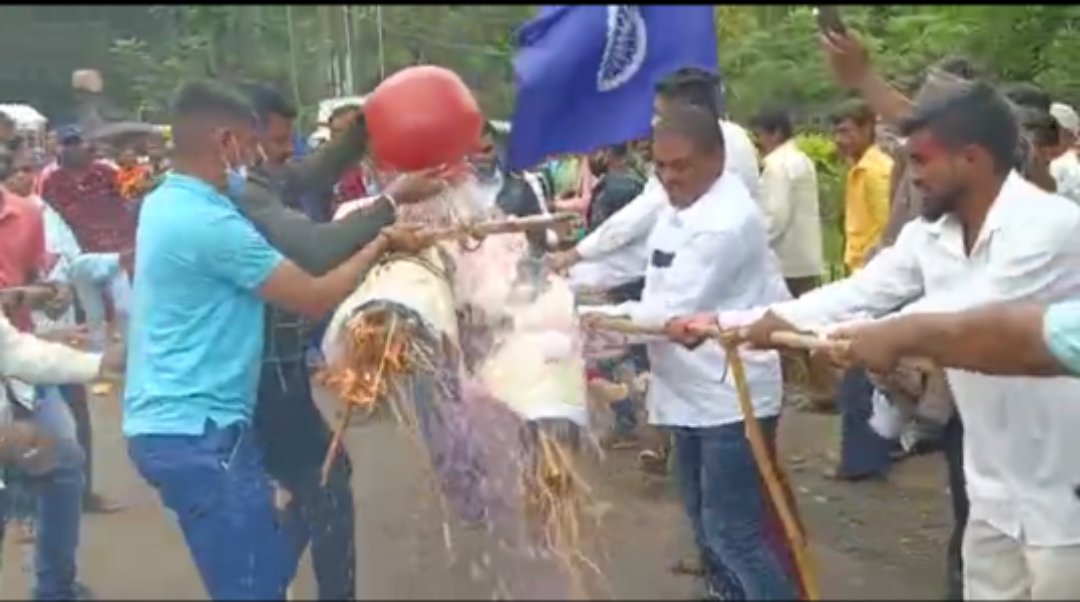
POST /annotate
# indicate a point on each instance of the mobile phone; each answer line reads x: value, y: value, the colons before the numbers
x: 828, y: 19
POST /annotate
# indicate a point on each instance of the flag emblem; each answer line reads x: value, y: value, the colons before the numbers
x: 626, y: 46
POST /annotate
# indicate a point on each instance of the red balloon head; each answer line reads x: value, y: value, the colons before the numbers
x: 422, y: 117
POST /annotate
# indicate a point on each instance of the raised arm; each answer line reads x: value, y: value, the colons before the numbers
x: 325, y: 167
x: 850, y: 63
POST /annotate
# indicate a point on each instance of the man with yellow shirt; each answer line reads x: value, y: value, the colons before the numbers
x: 866, y: 191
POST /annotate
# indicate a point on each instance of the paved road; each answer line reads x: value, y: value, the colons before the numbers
x: 880, y: 540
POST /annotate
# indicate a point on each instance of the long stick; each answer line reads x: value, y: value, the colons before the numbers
x: 504, y: 226
x: 343, y: 424
x: 767, y: 466
x: 791, y: 340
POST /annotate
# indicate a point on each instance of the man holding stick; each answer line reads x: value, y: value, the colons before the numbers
x: 708, y: 215
x: 979, y: 242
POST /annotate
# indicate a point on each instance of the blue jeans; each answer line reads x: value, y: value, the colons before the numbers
x: 216, y: 486
x: 59, y: 500
x: 730, y: 512
x: 93, y: 276
x: 323, y: 517
x: 863, y: 452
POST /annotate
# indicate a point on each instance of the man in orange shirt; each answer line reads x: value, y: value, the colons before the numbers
x: 866, y: 191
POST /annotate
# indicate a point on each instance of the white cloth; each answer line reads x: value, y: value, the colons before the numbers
x: 789, y: 199
x: 1020, y: 434
x: 1066, y: 172
x: 615, y: 252
x: 26, y: 360
x: 997, y: 567
x: 710, y: 255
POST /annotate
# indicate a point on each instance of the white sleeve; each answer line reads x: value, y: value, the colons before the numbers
x: 741, y: 156
x: 631, y: 223
x: 28, y: 358
x: 776, y: 199
x: 891, y: 279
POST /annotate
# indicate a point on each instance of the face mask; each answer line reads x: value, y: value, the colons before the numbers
x: 237, y: 180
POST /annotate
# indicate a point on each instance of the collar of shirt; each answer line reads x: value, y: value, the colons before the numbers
x: 950, y: 232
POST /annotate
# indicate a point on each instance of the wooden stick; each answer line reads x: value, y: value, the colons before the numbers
x: 504, y: 226
x: 767, y: 466
x: 790, y: 340
x: 343, y: 424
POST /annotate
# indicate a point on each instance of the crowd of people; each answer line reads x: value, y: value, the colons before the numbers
x: 201, y: 271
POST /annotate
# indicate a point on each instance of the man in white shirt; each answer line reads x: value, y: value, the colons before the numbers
x: 980, y: 241
x: 614, y: 253
x: 789, y: 198
x: 708, y: 214
x: 1066, y: 167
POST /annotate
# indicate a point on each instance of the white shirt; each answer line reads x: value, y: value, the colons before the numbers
x: 615, y: 252
x: 789, y: 199
x: 37, y: 362
x: 1066, y: 172
x: 712, y: 254
x: 1021, y: 435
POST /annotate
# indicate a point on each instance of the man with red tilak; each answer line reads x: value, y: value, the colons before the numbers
x: 978, y: 242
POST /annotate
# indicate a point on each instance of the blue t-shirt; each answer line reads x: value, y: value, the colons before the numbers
x: 1061, y: 331
x: 196, y: 331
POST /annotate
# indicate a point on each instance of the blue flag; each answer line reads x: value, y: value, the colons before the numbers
x: 585, y: 74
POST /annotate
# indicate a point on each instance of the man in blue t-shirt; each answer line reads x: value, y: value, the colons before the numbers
x: 202, y: 277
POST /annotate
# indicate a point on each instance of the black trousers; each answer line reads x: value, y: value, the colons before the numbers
x: 294, y: 438
x: 953, y: 444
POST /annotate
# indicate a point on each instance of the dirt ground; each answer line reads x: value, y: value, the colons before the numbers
x: 881, y: 540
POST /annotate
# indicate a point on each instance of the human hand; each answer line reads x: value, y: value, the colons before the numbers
x: 24, y: 446
x: 847, y: 56
x: 418, y: 186
x: 691, y: 330
x: 76, y: 336
x: 876, y: 346
x: 560, y: 261
x: 759, y: 333
x: 407, y: 238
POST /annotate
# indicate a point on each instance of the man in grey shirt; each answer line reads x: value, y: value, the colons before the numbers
x: 292, y: 433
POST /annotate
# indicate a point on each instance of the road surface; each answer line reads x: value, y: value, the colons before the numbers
x: 871, y: 540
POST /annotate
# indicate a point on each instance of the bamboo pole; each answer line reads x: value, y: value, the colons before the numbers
x: 502, y: 226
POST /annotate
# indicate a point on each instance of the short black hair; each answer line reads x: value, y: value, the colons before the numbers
x: 774, y: 121
x: 1028, y: 95
x: 268, y: 100
x: 960, y: 66
x: 854, y: 109
x: 694, y: 123
x: 976, y: 115
x: 205, y: 100
x: 340, y: 111
x: 1043, y: 128
x: 694, y: 86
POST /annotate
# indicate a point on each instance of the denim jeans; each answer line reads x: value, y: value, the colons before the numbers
x: 59, y: 501
x: 863, y: 452
x: 216, y: 485
x: 294, y: 438
x: 730, y: 513
x: 75, y: 397
x: 93, y: 276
